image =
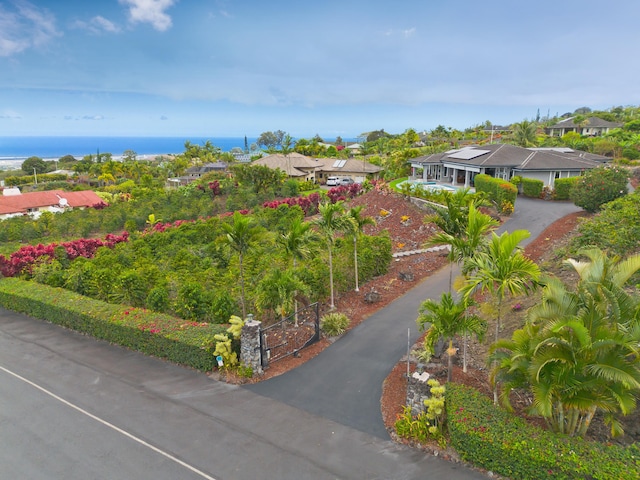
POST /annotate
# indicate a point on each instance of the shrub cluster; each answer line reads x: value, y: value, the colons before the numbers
x: 23, y: 260
x: 334, y: 324
x: 499, y: 191
x: 532, y: 187
x: 492, y: 438
x: 309, y: 204
x: 599, y: 186
x: 562, y: 187
x: 177, y: 340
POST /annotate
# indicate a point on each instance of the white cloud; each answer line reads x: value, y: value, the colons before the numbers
x: 92, y: 117
x: 409, y: 32
x: 26, y: 27
x: 97, y: 25
x: 150, y: 11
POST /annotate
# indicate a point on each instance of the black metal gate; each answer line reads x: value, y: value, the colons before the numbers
x: 290, y: 335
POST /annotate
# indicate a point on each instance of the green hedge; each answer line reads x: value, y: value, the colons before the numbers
x: 562, y: 187
x: 499, y: 191
x: 177, y: 340
x: 492, y: 438
x: 532, y: 187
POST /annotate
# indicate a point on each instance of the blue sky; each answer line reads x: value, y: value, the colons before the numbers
x: 241, y: 67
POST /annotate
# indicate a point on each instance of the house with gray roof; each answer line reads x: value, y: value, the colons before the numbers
x: 301, y: 167
x: 460, y: 166
x: 591, y: 127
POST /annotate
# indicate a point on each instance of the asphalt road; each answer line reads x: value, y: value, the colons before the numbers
x: 75, y: 408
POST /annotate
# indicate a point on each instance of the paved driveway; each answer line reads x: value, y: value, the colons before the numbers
x: 344, y: 383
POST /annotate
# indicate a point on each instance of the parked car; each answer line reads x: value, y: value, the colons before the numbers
x: 333, y: 181
x: 346, y: 181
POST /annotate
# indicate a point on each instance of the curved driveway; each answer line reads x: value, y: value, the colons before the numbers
x: 344, y: 383
x: 72, y: 407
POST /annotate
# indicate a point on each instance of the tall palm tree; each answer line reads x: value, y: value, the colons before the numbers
x: 578, y: 352
x: 329, y: 223
x: 241, y: 235
x: 463, y: 228
x: 463, y: 245
x: 502, y: 270
x: 447, y: 319
x: 355, y: 229
x: 299, y: 242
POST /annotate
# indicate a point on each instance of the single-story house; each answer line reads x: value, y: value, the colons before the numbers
x: 13, y: 203
x: 318, y: 170
x: 194, y: 173
x: 592, y: 127
x: 460, y: 166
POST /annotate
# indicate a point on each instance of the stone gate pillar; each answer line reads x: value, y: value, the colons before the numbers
x: 250, y: 353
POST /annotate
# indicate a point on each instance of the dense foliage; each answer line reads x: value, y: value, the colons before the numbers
x: 599, y: 186
x: 616, y: 228
x: 187, y: 343
x: 494, y: 439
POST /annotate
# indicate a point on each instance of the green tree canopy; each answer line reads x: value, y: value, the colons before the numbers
x: 34, y: 163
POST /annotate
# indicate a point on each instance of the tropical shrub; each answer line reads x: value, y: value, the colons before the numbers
x: 334, y: 324
x: 562, y: 187
x: 492, y: 438
x: 616, y: 228
x: 532, y: 187
x: 497, y: 190
x: 187, y: 343
x: 599, y: 186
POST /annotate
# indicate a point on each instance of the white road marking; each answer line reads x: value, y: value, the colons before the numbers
x: 110, y: 425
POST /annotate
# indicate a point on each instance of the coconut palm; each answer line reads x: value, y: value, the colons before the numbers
x: 447, y: 319
x: 355, y: 229
x: 329, y: 223
x: 501, y: 270
x: 240, y: 235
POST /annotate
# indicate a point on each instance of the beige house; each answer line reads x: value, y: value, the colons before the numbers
x: 318, y: 170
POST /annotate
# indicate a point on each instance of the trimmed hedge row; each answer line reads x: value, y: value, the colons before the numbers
x: 499, y: 191
x: 183, y: 342
x: 492, y: 438
x: 562, y: 187
x: 532, y: 187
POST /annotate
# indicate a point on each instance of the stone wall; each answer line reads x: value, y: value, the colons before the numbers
x: 417, y: 392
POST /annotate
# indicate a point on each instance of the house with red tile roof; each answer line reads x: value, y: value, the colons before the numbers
x: 13, y: 203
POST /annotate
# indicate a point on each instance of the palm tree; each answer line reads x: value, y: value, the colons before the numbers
x: 299, y: 242
x: 329, y: 223
x: 463, y: 227
x: 241, y: 234
x: 447, y: 319
x: 501, y: 270
x: 578, y: 352
x: 277, y: 291
x: 355, y: 229
x: 524, y: 133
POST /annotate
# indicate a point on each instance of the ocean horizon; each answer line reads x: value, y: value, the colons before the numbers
x: 14, y: 150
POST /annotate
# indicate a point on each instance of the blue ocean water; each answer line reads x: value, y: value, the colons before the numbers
x: 15, y: 149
